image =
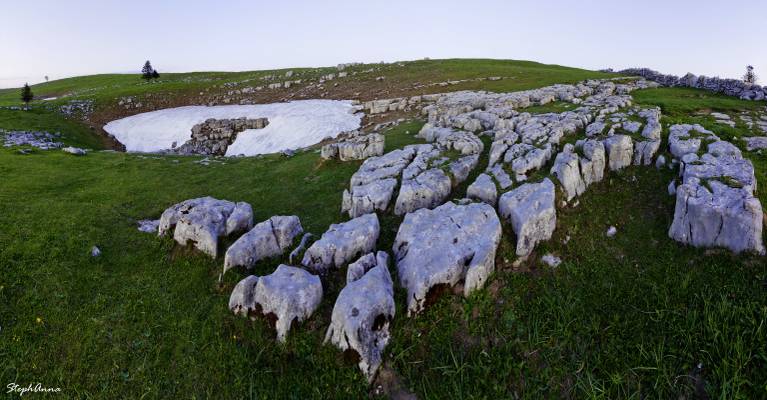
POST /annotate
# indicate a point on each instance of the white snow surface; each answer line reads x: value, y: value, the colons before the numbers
x: 292, y: 125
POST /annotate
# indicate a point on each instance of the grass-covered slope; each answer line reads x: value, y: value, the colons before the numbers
x: 635, y: 316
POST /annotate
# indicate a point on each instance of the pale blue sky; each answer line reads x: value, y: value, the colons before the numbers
x: 78, y: 37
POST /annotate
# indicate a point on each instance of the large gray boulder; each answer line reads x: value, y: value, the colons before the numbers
x: 567, y: 170
x: 715, y: 204
x: 444, y: 246
x: 644, y: 151
x: 717, y: 215
x: 342, y: 243
x: 620, y: 149
x: 203, y: 220
x: 363, y: 311
x: 530, y: 209
x: 288, y: 294
x: 483, y: 189
x: 426, y: 190
x: 593, y: 161
x: 267, y: 239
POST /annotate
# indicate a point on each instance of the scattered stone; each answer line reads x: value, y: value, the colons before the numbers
x: 363, y: 311
x: 531, y: 210
x: 612, y: 231
x: 551, y: 260
x: 74, y: 151
x: 95, y: 251
x: 660, y: 162
x: 342, y: 243
x: 148, y: 225
x: 38, y: 140
x: 672, y: 188
x: 444, y: 246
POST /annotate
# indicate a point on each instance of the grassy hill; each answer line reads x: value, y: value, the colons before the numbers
x: 632, y: 317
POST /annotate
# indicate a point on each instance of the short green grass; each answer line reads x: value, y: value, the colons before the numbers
x: 628, y: 317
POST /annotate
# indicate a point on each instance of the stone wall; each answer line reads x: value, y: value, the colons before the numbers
x: 214, y: 136
x: 730, y: 87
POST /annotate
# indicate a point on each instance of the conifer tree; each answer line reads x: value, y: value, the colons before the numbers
x: 146, y: 72
x: 26, y: 94
x: 750, y: 76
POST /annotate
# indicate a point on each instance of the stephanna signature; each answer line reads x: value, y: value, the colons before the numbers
x: 14, y: 387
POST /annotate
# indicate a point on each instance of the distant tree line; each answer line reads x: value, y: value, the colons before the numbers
x: 148, y: 72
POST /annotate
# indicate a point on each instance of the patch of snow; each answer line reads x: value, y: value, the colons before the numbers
x: 292, y: 125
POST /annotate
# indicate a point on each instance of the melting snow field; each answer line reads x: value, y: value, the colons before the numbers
x: 292, y: 125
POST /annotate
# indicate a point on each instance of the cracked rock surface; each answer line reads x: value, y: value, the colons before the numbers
x: 267, y: 239
x: 444, y: 246
x: 342, y: 243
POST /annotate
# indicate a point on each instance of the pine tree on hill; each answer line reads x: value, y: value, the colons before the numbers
x: 750, y: 76
x: 146, y: 72
x: 26, y: 94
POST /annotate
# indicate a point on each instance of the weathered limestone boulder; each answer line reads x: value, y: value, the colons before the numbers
x: 288, y: 294
x: 567, y: 170
x: 756, y: 143
x: 342, y: 243
x: 715, y: 204
x: 644, y: 151
x: 426, y: 190
x: 363, y: 311
x: 354, y: 146
x: 388, y: 165
x: 462, y: 167
x: 620, y: 149
x: 444, y: 246
x: 267, y: 239
x: 242, y: 301
x: 74, y: 151
x: 203, y: 220
x: 368, y: 198
x: 723, y: 216
x: 531, y: 210
x: 483, y: 189
x: 593, y: 160
x: 503, y: 178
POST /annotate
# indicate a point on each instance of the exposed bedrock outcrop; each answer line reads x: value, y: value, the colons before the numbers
x: 214, y: 136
